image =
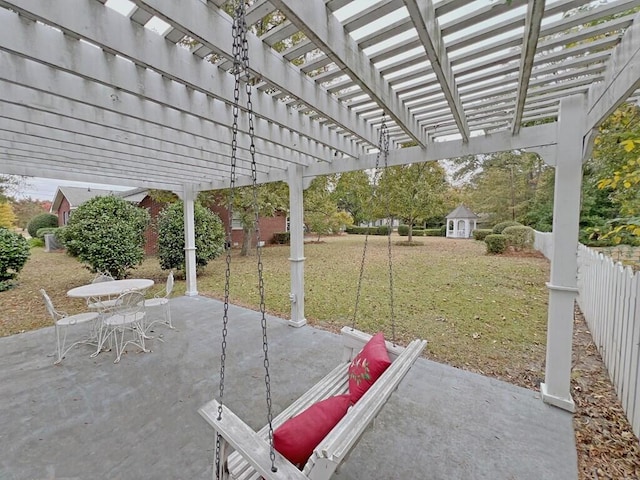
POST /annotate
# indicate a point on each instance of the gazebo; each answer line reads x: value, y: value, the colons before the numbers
x: 461, y: 222
x: 140, y: 94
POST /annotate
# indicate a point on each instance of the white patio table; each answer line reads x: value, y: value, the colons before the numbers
x: 107, y: 291
x: 110, y: 289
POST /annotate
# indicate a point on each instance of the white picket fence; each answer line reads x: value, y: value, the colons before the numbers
x: 609, y: 297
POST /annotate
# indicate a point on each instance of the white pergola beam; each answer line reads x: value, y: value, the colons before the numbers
x: 422, y: 13
x: 154, y: 55
x: 622, y: 78
x: 124, y: 127
x: 535, y: 12
x: 212, y: 27
x: 310, y: 16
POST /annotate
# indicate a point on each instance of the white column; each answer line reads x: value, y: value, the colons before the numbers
x: 296, y: 249
x: 188, y: 197
x: 556, y: 390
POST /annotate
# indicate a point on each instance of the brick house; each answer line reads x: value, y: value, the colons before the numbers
x: 69, y: 198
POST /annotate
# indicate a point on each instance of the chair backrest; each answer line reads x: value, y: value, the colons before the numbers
x: 170, y: 283
x: 129, y: 302
x: 49, y: 305
x: 102, y: 277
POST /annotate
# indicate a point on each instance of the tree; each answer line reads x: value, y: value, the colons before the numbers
x: 26, y: 209
x: 321, y: 212
x: 412, y: 193
x: 107, y: 234
x: 209, y: 236
x: 7, y: 217
x: 352, y: 194
x: 14, y: 253
x: 502, y: 185
x: 269, y: 199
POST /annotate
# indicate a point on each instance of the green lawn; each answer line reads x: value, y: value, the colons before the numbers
x: 483, y: 313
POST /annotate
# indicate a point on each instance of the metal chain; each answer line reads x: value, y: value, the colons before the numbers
x: 383, y: 149
x: 384, y: 135
x: 237, y: 68
x: 241, y: 70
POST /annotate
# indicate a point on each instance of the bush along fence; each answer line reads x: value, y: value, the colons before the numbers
x: 609, y: 297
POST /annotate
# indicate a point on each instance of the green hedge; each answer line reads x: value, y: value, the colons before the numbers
x: 281, y: 238
x: 433, y: 232
x: 519, y: 237
x: 381, y: 230
x: 403, y: 231
x: 14, y: 253
x: 481, y: 233
x: 42, y: 220
x: 496, y: 243
x: 499, y: 227
x: 43, y: 231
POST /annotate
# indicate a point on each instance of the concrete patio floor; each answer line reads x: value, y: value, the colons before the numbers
x: 89, y: 418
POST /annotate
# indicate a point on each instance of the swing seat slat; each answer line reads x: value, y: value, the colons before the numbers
x: 250, y: 460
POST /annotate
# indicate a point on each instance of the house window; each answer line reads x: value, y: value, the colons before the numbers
x: 236, y: 221
x: 65, y: 217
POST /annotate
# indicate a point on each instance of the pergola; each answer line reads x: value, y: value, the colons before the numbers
x: 100, y: 94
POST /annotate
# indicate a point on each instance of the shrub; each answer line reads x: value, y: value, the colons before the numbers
x: 403, y: 230
x: 35, y: 242
x: 14, y: 253
x: 43, y: 231
x: 499, y: 227
x: 383, y: 230
x: 107, y: 234
x: 481, y: 233
x: 432, y: 232
x: 519, y: 237
x: 281, y: 238
x: 44, y: 220
x: 418, y: 232
x: 443, y: 231
x: 209, y: 234
x: 496, y: 243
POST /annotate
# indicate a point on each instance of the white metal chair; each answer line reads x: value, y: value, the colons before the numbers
x: 99, y: 304
x: 163, y: 302
x: 62, y: 323
x: 126, y: 318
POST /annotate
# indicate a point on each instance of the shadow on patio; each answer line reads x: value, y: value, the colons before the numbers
x: 138, y: 419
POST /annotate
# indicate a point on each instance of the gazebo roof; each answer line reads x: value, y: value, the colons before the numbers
x: 138, y: 93
x: 462, y: 211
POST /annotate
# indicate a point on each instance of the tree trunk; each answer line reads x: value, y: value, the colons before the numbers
x: 247, y: 235
x: 410, y: 235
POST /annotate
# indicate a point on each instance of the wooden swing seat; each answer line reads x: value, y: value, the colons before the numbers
x: 244, y: 453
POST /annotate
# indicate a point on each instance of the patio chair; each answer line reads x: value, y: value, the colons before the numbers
x: 63, y: 321
x: 126, y: 318
x: 162, y: 301
x: 97, y: 303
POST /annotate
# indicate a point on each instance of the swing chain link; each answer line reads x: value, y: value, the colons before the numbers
x: 237, y: 68
x: 241, y: 71
x: 383, y: 149
x: 384, y: 136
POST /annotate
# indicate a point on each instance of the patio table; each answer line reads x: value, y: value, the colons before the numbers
x: 109, y: 289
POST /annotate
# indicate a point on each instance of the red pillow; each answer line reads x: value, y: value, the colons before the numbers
x: 296, y: 438
x: 367, y: 366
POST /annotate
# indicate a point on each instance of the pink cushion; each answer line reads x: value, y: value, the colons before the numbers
x: 296, y: 438
x: 367, y: 366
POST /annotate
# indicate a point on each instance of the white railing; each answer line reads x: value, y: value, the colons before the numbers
x: 609, y: 297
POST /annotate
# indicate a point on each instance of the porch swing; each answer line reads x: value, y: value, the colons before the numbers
x: 240, y: 452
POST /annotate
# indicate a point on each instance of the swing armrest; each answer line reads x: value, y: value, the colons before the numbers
x: 249, y: 444
x: 353, y: 340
